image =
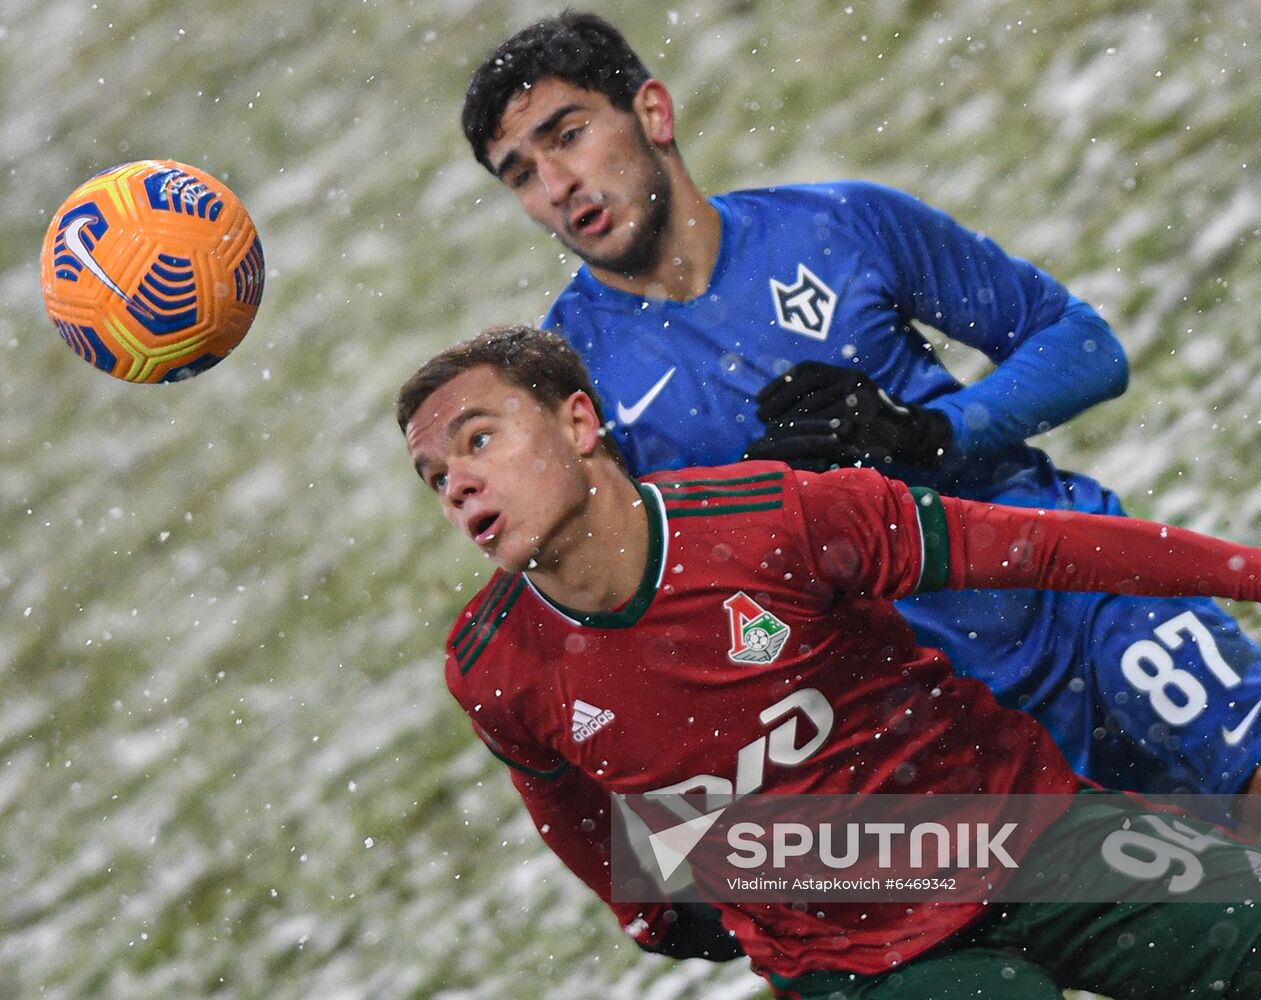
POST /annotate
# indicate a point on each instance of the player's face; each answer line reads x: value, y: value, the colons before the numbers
x: 587, y: 172
x: 504, y: 467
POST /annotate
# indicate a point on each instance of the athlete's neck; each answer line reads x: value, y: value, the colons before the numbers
x: 599, y: 559
x: 686, y: 255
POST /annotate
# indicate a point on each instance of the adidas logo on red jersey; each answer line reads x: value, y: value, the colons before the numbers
x: 588, y: 720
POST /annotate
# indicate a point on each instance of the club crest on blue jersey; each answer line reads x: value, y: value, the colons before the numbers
x: 806, y: 306
x: 757, y: 636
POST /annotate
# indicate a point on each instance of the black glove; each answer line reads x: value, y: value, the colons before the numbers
x: 697, y: 932
x: 819, y: 417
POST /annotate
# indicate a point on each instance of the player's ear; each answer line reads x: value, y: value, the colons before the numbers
x: 654, y: 107
x: 583, y: 423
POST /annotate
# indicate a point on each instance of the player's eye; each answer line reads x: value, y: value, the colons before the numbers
x: 519, y: 178
x: 438, y: 481
x: 568, y: 135
x: 480, y: 440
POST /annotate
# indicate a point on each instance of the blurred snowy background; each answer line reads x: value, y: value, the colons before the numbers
x: 228, y: 765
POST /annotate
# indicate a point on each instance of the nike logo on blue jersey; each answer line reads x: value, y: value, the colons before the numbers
x: 1233, y: 737
x: 627, y: 415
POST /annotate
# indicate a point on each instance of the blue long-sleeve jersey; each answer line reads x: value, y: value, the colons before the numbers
x: 837, y: 273
x: 1153, y: 695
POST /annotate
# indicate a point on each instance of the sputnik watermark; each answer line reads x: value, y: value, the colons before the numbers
x: 967, y: 845
x: 1089, y: 847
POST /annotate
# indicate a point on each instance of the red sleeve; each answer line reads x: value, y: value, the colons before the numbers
x: 862, y: 531
x: 1013, y: 547
x: 572, y: 816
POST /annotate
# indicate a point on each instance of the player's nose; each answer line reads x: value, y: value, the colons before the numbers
x: 462, y: 484
x: 558, y: 180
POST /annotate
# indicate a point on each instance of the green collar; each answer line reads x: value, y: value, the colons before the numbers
x: 634, y: 609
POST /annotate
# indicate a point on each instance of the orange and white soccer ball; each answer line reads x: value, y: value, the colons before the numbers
x: 152, y: 271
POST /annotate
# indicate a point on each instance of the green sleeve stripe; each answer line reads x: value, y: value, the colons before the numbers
x: 731, y: 508
x: 675, y: 494
x: 478, y: 619
x: 932, y: 529
x: 488, y: 627
x: 533, y: 772
x: 683, y: 484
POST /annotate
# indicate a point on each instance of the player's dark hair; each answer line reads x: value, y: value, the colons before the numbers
x: 579, y: 48
x: 539, y: 362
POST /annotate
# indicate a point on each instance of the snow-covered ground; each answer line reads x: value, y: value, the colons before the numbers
x: 228, y: 766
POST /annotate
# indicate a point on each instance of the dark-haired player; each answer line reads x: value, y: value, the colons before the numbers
x: 777, y: 323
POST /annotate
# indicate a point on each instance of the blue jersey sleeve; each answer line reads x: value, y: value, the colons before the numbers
x: 1056, y: 373
x: 1054, y: 355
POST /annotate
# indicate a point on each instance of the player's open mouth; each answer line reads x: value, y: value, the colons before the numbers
x: 588, y: 219
x: 483, y: 528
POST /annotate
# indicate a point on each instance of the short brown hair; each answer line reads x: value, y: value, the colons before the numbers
x: 539, y: 362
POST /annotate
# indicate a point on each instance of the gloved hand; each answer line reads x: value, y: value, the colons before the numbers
x: 820, y: 416
x: 696, y: 931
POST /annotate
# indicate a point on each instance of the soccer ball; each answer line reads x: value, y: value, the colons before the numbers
x: 152, y: 271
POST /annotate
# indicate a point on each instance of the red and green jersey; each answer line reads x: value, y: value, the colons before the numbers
x: 761, y: 652
x: 765, y: 605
